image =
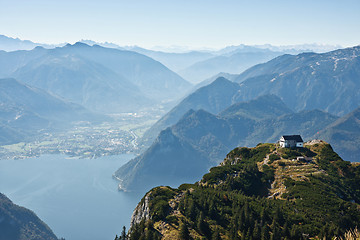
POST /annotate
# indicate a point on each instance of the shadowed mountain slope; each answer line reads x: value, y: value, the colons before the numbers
x: 213, y: 98
x: 345, y: 135
x: 25, y: 110
x: 19, y: 223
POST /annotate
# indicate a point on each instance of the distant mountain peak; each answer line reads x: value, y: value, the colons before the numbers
x: 77, y: 45
x: 221, y: 80
x: 80, y: 44
x: 222, y: 83
x: 39, y: 48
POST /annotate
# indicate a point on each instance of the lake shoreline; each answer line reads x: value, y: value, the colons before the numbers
x: 58, y: 188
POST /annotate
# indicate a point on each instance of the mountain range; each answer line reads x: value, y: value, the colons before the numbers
x: 193, y: 65
x: 13, y: 44
x: 217, y: 117
x: 175, y: 61
x: 102, y: 79
x: 235, y: 63
x: 325, y: 87
x: 327, y: 81
x: 204, y: 138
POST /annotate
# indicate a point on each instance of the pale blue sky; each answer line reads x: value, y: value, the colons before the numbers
x: 195, y: 23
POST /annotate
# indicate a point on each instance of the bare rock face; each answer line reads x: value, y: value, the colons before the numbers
x: 142, y: 211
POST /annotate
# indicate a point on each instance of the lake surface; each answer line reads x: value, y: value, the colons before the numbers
x: 77, y: 198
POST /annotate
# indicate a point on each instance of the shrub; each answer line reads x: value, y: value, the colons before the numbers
x: 273, y: 157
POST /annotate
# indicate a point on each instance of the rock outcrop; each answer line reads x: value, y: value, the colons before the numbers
x: 141, y: 212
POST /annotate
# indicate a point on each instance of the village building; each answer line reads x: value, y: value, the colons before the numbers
x: 291, y: 141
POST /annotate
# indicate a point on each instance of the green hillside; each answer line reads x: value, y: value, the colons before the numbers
x: 265, y: 192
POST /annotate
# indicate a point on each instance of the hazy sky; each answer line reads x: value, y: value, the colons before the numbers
x: 195, y: 23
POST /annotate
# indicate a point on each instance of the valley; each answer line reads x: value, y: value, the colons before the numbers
x: 86, y: 140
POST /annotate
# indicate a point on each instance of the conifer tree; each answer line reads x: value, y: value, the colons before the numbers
x: 123, y: 234
x: 256, y: 232
x: 216, y: 235
x: 265, y: 233
x: 184, y: 232
x: 285, y: 230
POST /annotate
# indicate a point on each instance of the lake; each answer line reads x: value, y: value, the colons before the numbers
x: 77, y: 198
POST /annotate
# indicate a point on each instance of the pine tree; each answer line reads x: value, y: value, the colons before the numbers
x: 294, y: 232
x: 256, y: 232
x: 248, y: 234
x: 123, y: 234
x: 216, y: 235
x: 184, y: 232
x: 203, y: 226
x: 265, y: 233
x: 285, y: 230
x: 192, y: 213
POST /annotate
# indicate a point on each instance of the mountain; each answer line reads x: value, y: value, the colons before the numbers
x: 172, y: 60
x: 265, y: 192
x: 345, y: 135
x: 11, y: 61
x: 19, y: 223
x: 82, y: 81
x: 141, y: 173
x: 213, y: 98
x: 307, y: 123
x: 237, y: 62
x: 291, y: 49
x: 13, y: 44
x: 207, y: 81
x: 211, y: 136
x: 152, y: 77
x: 328, y: 81
x: 303, y: 82
x: 103, y: 79
x: 289, y: 78
x: 268, y: 106
x: 25, y: 110
x: 102, y: 44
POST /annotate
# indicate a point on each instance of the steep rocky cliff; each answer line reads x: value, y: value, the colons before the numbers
x: 141, y: 212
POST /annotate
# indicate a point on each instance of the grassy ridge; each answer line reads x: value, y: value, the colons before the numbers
x: 316, y: 197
